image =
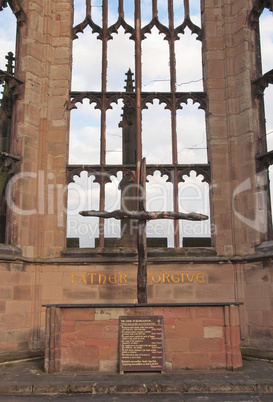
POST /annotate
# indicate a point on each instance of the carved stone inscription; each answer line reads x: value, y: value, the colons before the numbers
x: 141, y: 343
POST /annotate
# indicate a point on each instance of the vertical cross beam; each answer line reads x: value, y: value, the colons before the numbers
x: 143, y: 216
x: 142, y: 240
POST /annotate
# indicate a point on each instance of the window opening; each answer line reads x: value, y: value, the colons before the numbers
x: 149, y: 124
x: 179, y: 14
x: 155, y: 62
x: 260, y: 19
x: 191, y: 131
x: 115, y: 80
x: 112, y: 227
x: 266, y: 35
x: 112, y: 12
x: 159, y: 197
x: 194, y: 193
x: 268, y: 106
x: 96, y: 11
x: 114, y: 134
x: 270, y: 175
x: 195, y: 12
x: 159, y: 151
x: 10, y: 89
x: 86, y: 72
x: 189, y: 64
x: 129, y: 11
x: 79, y: 12
x: 162, y: 8
x: 146, y: 13
x: 84, y: 144
x: 6, y: 104
x: 82, y: 193
x: 7, y: 34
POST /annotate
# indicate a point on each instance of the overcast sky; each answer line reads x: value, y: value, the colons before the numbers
x: 156, y: 130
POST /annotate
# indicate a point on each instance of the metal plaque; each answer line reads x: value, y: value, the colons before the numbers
x: 141, y: 346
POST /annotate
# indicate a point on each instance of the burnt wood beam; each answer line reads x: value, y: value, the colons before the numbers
x: 142, y: 239
x: 145, y: 215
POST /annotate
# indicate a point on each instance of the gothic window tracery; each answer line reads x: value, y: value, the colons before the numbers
x: 153, y: 85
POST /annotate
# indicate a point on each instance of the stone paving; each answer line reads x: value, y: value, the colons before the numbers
x: 28, y: 377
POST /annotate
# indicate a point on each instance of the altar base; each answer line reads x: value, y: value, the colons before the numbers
x: 196, y: 336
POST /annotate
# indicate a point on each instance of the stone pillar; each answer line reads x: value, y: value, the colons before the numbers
x: 38, y: 221
x: 238, y: 202
x: 53, y: 340
x: 232, y: 337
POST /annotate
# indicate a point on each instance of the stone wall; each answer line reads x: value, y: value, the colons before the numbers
x: 44, y: 59
x: 16, y: 309
x: 25, y: 287
x: 239, y: 208
x: 38, y: 273
x: 259, y: 303
x: 195, y: 337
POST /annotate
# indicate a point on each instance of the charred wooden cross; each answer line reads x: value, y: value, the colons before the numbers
x: 142, y: 216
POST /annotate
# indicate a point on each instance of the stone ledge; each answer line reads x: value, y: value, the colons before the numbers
x: 265, y: 247
x: 18, y: 356
x: 257, y: 354
x: 129, y: 305
x: 29, y: 378
x: 121, y: 252
x: 9, y: 249
x: 104, y: 255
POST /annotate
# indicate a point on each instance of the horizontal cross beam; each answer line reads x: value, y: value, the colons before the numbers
x: 145, y: 215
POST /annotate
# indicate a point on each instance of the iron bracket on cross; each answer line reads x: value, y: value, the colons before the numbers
x: 142, y: 216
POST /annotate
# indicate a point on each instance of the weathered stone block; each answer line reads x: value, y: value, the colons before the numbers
x: 172, y: 312
x: 90, y: 330
x: 108, y: 353
x: 108, y: 366
x: 69, y: 340
x: 22, y: 292
x: 20, y: 306
x: 207, y: 345
x: 68, y: 326
x: 2, y: 306
x: 183, y: 360
x: 108, y: 313
x: 80, y: 357
x: 189, y: 328
x: 6, y: 292
x: 111, y: 331
x: 213, y: 332
x: 82, y: 314
x: 182, y: 345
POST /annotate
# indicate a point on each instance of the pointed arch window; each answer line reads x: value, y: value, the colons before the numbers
x: 261, y: 20
x: 142, y: 23
x: 11, y: 90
